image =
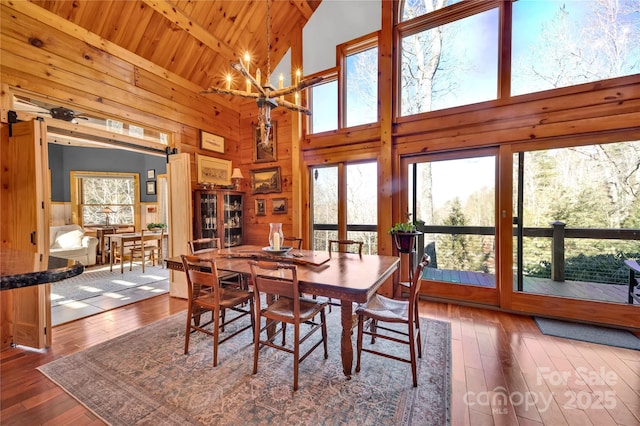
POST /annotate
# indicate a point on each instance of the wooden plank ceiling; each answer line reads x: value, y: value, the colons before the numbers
x: 196, y: 39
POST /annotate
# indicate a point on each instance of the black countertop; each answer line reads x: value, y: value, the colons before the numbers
x: 22, y: 269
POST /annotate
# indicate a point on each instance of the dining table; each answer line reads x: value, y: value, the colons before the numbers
x: 348, y: 277
x: 121, y: 240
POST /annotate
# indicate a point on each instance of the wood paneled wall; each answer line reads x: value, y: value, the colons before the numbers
x: 54, y: 60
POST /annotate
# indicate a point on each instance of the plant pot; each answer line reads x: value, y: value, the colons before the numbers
x: 405, y: 241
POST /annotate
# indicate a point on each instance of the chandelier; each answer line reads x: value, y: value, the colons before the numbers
x: 267, y: 97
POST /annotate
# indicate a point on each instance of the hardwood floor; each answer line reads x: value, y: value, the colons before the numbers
x: 504, y: 371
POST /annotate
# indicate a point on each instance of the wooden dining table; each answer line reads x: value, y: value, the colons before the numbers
x: 120, y: 240
x: 351, y: 278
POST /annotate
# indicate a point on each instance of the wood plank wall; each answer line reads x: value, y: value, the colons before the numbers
x: 79, y: 69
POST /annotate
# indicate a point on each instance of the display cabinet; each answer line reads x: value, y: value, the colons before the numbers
x: 219, y: 214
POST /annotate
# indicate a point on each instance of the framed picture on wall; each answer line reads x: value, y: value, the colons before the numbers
x: 261, y: 153
x: 279, y: 206
x: 213, y: 170
x: 151, y: 174
x: 151, y: 187
x: 261, y: 207
x: 211, y: 142
x: 264, y: 181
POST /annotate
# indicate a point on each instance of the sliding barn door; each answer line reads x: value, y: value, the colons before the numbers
x: 180, y: 224
x: 25, y: 227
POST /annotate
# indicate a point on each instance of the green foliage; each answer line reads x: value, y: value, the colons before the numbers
x: 156, y: 226
x: 403, y: 227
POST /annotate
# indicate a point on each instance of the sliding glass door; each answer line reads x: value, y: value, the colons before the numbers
x: 453, y: 198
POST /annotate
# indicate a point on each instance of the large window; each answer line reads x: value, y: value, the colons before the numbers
x: 345, y: 204
x: 93, y: 191
x: 361, y: 95
x: 449, y: 65
x: 558, y: 43
x: 324, y: 104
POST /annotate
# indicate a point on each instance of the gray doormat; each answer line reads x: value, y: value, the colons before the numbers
x: 588, y: 333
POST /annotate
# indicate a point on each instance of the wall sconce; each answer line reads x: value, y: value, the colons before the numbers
x: 236, y: 176
x: 107, y: 211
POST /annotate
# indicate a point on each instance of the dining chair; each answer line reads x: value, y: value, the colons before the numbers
x: 285, y: 304
x: 204, y: 245
x: 386, y: 310
x: 213, y: 244
x: 343, y: 246
x: 294, y: 242
x: 149, y: 246
x: 205, y: 294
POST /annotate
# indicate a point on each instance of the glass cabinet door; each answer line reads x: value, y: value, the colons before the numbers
x: 208, y: 215
x: 233, y: 221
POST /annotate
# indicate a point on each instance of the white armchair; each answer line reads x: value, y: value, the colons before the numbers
x: 70, y: 242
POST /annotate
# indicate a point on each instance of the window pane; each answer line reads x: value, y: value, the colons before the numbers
x: 114, y: 192
x: 452, y: 65
x: 590, y: 193
x: 325, y: 205
x: 414, y: 8
x: 362, y: 204
x: 558, y: 43
x: 362, y: 87
x: 324, y: 105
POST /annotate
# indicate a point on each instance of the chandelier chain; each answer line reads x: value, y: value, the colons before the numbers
x: 268, y: 42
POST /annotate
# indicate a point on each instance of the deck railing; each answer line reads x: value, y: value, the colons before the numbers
x: 558, y: 232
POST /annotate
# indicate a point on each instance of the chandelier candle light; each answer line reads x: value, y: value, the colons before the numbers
x: 266, y: 96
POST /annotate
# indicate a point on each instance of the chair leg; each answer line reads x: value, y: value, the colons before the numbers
x: 296, y: 354
x: 216, y: 335
x: 188, y: 331
x: 359, y: 342
x: 412, y: 352
x: 323, y: 318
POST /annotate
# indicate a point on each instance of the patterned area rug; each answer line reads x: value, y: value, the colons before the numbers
x: 98, y: 280
x: 144, y: 378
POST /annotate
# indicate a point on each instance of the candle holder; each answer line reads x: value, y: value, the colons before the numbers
x: 275, y: 242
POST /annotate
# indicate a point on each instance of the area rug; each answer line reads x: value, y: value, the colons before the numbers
x: 143, y: 377
x: 588, y: 333
x: 98, y: 280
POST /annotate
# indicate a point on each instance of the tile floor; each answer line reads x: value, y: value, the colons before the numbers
x: 83, y: 308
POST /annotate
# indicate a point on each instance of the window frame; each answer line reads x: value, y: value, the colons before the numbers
x: 76, y: 182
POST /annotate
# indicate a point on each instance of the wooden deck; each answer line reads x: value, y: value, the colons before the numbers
x: 574, y: 289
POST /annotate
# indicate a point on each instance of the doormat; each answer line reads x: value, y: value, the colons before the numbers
x: 588, y: 333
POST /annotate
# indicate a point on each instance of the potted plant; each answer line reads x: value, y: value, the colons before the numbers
x: 404, y: 234
x: 156, y: 226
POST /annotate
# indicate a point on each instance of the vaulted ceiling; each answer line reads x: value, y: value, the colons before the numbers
x: 195, y: 39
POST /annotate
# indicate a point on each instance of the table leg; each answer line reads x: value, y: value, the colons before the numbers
x: 346, y: 346
x: 111, y: 252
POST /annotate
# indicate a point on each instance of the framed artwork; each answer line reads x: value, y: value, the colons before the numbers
x: 211, y: 142
x: 151, y: 174
x: 261, y: 153
x: 213, y: 170
x: 264, y: 181
x: 261, y: 207
x: 279, y: 206
x: 151, y: 187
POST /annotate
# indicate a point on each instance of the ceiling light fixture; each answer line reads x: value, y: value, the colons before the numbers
x: 266, y: 96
